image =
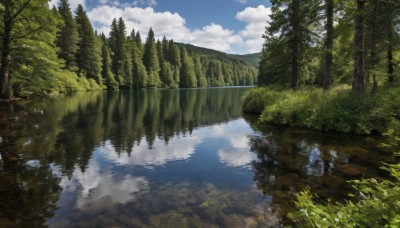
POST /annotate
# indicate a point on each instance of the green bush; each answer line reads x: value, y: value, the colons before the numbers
x: 336, y: 110
x: 377, y: 204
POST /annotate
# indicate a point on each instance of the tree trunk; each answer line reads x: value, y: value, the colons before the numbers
x: 359, y: 71
x: 329, y: 45
x: 374, y: 46
x: 295, y: 43
x: 390, y: 53
x: 5, y: 92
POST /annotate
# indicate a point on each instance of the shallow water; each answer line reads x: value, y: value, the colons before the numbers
x: 170, y: 158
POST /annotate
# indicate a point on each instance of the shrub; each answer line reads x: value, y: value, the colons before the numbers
x: 336, y: 110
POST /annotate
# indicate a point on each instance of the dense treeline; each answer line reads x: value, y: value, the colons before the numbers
x: 54, y: 50
x: 323, y: 42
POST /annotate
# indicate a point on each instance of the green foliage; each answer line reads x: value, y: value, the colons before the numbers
x: 377, y: 204
x: 166, y: 75
x: 187, y: 72
x: 336, y: 110
x: 106, y: 73
x: 87, y: 56
x: 257, y: 99
x: 151, y: 61
x: 68, y: 37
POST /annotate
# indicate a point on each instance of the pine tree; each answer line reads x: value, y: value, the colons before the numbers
x: 106, y: 72
x: 160, y: 52
x: 166, y: 75
x: 68, y: 37
x: 174, y: 55
x: 165, y: 48
x: 124, y: 55
x: 138, y: 70
x: 200, y: 76
x: 139, y: 44
x: 88, y: 60
x: 289, y: 40
x: 150, y: 60
x: 115, y: 51
x: 121, y: 63
x: 187, y: 73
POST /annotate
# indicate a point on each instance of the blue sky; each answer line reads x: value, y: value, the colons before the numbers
x: 233, y: 26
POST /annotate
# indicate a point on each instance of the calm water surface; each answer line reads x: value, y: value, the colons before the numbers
x: 170, y: 158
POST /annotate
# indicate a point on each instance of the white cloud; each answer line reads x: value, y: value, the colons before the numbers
x: 73, y: 4
x: 256, y: 19
x: 168, y: 24
x: 99, y: 186
x: 173, y: 26
x: 242, y: 1
x: 236, y: 158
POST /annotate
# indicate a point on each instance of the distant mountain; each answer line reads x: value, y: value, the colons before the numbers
x: 250, y: 59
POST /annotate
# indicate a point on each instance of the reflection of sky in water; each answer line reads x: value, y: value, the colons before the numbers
x: 207, y: 155
x: 315, y: 166
x: 182, y: 147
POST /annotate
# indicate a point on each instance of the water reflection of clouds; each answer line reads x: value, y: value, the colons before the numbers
x: 315, y: 166
x: 236, y: 157
x: 178, y: 148
x: 236, y: 134
x: 99, y: 187
x: 182, y: 147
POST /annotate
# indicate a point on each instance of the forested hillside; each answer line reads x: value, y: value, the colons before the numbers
x: 46, y: 51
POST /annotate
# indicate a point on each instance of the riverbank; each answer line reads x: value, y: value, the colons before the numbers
x: 336, y: 110
x: 375, y: 202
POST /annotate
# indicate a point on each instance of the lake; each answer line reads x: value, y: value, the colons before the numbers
x: 170, y: 158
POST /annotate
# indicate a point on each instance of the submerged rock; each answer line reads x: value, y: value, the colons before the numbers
x: 352, y: 170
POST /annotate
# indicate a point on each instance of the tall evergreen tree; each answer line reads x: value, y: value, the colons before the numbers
x: 139, y: 45
x: 290, y: 39
x: 150, y: 60
x: 174, y: 55
x: 165, y: 49
x: 106, y: 72
x: 166, y: 75
x: 88, y: 60
x: 121, y: 63
x: 200, y: 76
x: 160, y: 52
x: 68, y: 37
x: 187, y: 73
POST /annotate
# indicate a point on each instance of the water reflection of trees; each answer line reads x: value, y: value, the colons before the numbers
x: 29, y: 192
x: 64, y: 131
x: 288, y: 160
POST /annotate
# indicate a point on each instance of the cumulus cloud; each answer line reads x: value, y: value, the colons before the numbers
x: 168, y: 24
x: 73, y: 4
x: 173, y: 26
x: 256, y: 20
